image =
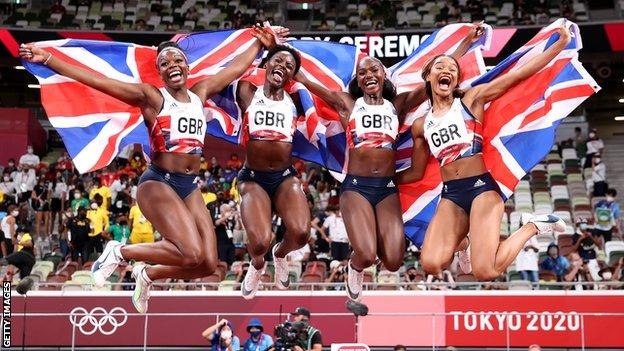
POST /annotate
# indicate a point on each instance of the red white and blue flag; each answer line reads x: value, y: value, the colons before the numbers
x: 519, y: 127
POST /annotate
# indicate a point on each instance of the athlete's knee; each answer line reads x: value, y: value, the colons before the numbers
x: 431, y: 264
x: 259, y: 248
x: 208, y: 266
x: 484, y: 272
x: 393, y: 264
x: 192, y: 258
x: 365, y: 258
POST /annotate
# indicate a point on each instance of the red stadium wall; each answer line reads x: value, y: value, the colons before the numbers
x: 477, y: 318
x: 18, y: 128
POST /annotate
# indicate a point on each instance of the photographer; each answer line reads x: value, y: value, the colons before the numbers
x: 313, y: 340
x: 258, y: 341
x: 337, y: 274
x: 221, y: 337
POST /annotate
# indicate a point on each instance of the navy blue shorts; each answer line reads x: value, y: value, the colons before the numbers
x: 182, y: 184
x: 269, y: 181
x: 463, y: 191
x: 374, y: 189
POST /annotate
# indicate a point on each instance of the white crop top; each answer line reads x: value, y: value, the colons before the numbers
x: 373, y: 126
x: 271, y: 120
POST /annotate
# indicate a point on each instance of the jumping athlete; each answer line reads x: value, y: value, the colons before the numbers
x: 371, y: 114
x: 167, y: 194
x: 268, y: 178
x: 471, y: 200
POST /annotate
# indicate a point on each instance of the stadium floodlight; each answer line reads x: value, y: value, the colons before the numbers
x: 34, y: 86
x: 21, y: 68
x: 621, y: 101
x: 619, y: 118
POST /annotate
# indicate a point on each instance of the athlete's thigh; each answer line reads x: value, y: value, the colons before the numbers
x: 255, y: 210
x: 448, y: 227
x: 359, y: 219
x: 168, y: 213
x: 485, y: 218
x: 390, y: 233
x: 292, y: 206
x: 195, y: 204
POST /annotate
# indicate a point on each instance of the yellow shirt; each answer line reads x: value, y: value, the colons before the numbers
x: 209, y: 197
x: 104, y: 191
x: 25, y: 237
x: 139, y: 223
x: 99, y: 221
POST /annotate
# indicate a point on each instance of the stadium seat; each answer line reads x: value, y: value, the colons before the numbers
x: 614, y: 251
x: 228, y: 285
x: 520, y: 285
x: 72, y: 285
x: 547, y: 276
x: 387, y: 278
x: 84, y: 277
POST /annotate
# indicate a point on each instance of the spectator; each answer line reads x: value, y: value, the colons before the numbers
x: 314, y: 341
x: 321, y: 241
x: 58, y: 194
x: 338, y: 239
x: 8, y: 225
x: 411, y: 276
x: 441, y: 278
x: 78, y: 230
x: 24, y: 257
x: 10, y: 167
x: 580, y: 144
x: 584, y: 242
x: 234, y: 162
x: 141, y: 230
x: 78, y: 201
x: 607, y: 215
x: 323, y: 26
x: 527, y: 261
x: 7, y: 187
x: 122, y: 204
x: 258, y: 341
x: 337, y: 274
x: 594, y: 146
x: 138, y: 164
x: 99, y: 225
x: 65, y: 218
x: 64, y: 164
x: 599, y: 176
x: 57, y: 7
x: 25, y: 182
x: 225, y: 221
x: 221, y: 337
x: 140, y: 25
x: 29, y: 160
x: 379, y: 25
x: 555, y: 262
x: 103, y: 191
x: 191, y: 14
x: 611, y: 276
x: 535, y: 347
x: 578, y: 272
x: 300, y: 255
x: 214, y: 168
x: 118, y: 186
x: 208, y: 196
x: 400, y: 348
x: 41, y: 205
x: 119, y: 230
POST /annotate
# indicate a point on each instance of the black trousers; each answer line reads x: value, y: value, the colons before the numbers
x: 340, y: 251
x: 23, y: 260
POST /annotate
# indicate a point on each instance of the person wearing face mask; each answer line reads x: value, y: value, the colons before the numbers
x: 578, y: 272
x: 527, y: 261
x: 119, y: 230
x: 118, y: 186
x: 64, y: 219
x: 137, y: 163
x: 599, y: 176
x: 78, y: 200
x: 207, y: 195
x: 555, y: 262
x: 7, y: 187
x: 24, y: 256
x: 203, y: 165
x: 585, y: 242
x: 98, y: 216
x: 25, y: 182
x: 607, y: 216
x: 78, y: 230
x: 102, y: 190
x: 10, y: 168
x: 611, y: 275
x: 58, y: 196
x: 29, y: 160
x: 9, y: 228
x: 258, y: 341
x: 141, y: 230
x: 221, y: 337
x: 40, y: 202
x: 594, y: 146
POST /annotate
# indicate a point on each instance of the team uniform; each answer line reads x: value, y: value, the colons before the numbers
x: 180, y: 128
x: 269, y: 120
x: 457, y: 135
x: 371, y: 126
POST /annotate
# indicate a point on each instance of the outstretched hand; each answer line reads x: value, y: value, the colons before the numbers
x: 476, y: 32
x: 31, y: 53
x: 267, y: 39
x: 564, y: 34
x: 281, y: 32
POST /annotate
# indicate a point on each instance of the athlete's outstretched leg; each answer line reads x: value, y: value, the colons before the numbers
x: 390, y: 235
x: 447, y: 229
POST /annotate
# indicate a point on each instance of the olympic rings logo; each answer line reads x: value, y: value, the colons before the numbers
x: 88, y: 322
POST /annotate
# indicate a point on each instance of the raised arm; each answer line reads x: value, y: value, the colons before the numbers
x: 338, y: 100
x: 420, y: 156
x: 473, y: 36
x: 140, y: 95
x: 408, y: 100
x: 210, y: 86
x: 485, y: 93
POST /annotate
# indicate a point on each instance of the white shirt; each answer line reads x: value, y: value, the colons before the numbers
x: 59, y: 189
x: 527, y: 260
x: 337, y: 229
x: 323, y: 200
x: 115, y: 188
x: 29, y: 159
x: 6, y: 228
x: 24, y: 182
x: 7, y: 187
x: 599, y: 173
x: 298, y: 255
x: 594, y: 146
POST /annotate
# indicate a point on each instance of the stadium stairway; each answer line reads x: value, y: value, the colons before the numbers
x: 614, y: 160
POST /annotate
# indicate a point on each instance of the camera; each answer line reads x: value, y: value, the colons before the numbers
x: 289, y: 334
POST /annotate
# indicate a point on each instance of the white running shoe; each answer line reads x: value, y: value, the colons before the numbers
x: 251, y: 283
x: 546, y: 224
x: 107, y: 263
x: 141, y: 288
x: 463, y: 258
x: 354, y: 283
x: 281, y: 271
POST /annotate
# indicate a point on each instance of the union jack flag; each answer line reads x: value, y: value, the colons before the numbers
x: 524, y: 118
